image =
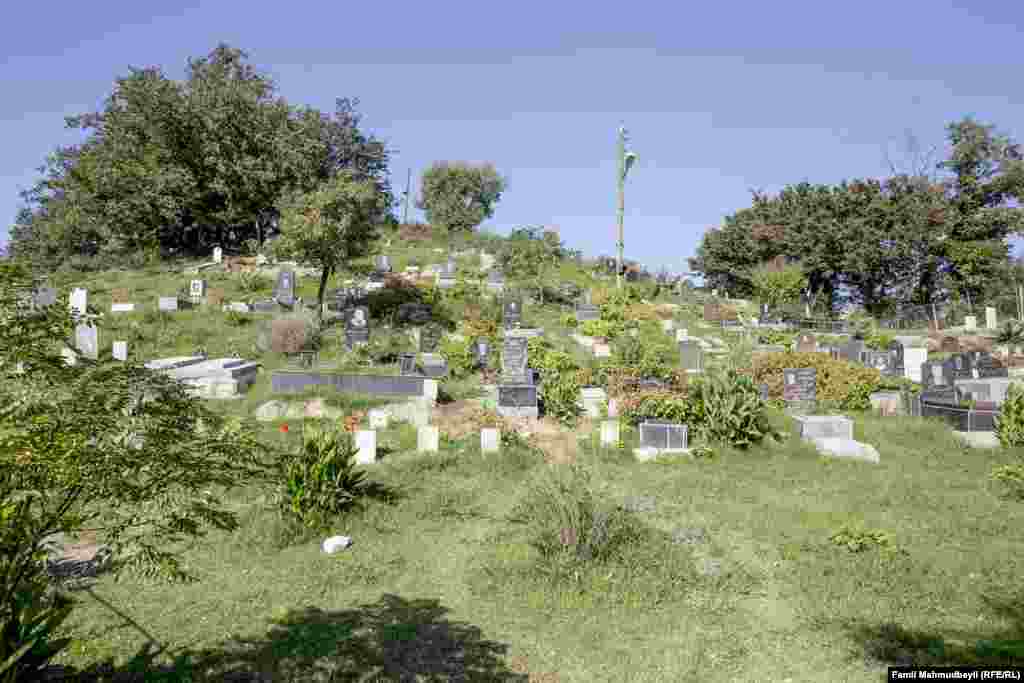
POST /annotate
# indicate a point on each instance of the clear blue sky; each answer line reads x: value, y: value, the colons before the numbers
x: 719, y: 97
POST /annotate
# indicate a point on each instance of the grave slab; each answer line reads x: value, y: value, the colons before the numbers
x: 823, y: 426
x: 593, y: 400
x: 839, y: 447
x: 122, y: 308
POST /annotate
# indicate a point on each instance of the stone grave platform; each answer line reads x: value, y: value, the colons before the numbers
x: 220, y: 378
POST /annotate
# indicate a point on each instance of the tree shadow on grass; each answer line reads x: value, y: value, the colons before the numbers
x: 893, y: 645
x: 393, y: 639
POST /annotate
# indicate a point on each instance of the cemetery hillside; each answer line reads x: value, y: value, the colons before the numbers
x: 257, y: 425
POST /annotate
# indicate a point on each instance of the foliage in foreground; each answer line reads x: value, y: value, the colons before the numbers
x: 103, y: 446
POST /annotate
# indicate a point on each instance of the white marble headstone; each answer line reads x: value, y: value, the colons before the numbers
x: 121, y: 350
x: 218, y: 255
x: 77, y: 301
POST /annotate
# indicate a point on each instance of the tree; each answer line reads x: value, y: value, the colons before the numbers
x: 333, y: 225
x: 459, y: 196
x: 533, y: 254
x: 776, y: 287
x: 180, y: 166
x: 107, y: 447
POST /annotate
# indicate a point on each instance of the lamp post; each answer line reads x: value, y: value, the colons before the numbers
x: 625, y: 159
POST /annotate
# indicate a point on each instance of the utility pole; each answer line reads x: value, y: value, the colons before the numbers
x: 625, y: 160
x: 408, y: 189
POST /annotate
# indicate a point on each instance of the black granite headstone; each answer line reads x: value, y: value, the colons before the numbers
x: 407, y: 364
x: 800, y: 385
x: 517, y: 396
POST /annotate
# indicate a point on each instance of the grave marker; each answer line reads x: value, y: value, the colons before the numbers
x: 77, y: 301
x: 383, y: 263
x: 121, y: 350
x: 970, y: 323
x: 43, y: 297
x: 990, y: 317
x: 430, y: 338
x: 87, y: 341
x: 514, y: 360
x: 691, y: 356
x: 806, y: 343
x: 197, y: 290
x: 284, y: 290
x: 428, y: 439
x: 800, y: 386
x: 512, y: 313
x: 663, y: 436
x: 490, y: 441
x: 357, y: 326
x: 168, y: 303
x: 407, y: 364
x: 218, y: 255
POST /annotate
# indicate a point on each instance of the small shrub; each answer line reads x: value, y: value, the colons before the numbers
x: 237, y: 318
x: 727, y: 408
x: 560, y: 375
x: 569, y: 320
x: 320, y: 481
x: 1012, y: 479
x: 566, y: 519
x: 252, y: 282
x: 878, y: 341
x: 1010, y: 421
x: 460, y: 357
x: 839, y: 382
x: 861, y: 540
x: 602, y: 329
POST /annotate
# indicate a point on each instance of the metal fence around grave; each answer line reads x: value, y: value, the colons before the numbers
x: 960, y: 419
x: 381, y: 385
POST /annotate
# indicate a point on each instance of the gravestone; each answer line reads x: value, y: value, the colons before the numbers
x: 990, y: 317
x: 663, y: 436
x: 168, y: 303
x: 970, y: 323
x: 512, y: 313
x: 366, y: 445
x: 383, y: 263
x: 77, y: 301
x: 428, y: 439
x: 357, y: 326
x: 121, y: 350
x: 852, y: 350
x: 586, y: 311
x: 879, y: 360
x: 518, y: 400
x: 482, y: 349
x: 120, y: 295
x: 413, y: 314
x: 407, y: 364
x: 712, y: 312
x: 806, y: 343
x: 430, y: 338
x: 197, y: 289
x: 43, y: 297
x: 218, y: 255
x: 284, y: 290
x: 913, y: 358
x: 691, y: 356
x: 490, y: 440
x: 610, y: 433
x: 87, y: 341
x: 800, y: 387
x: 763, y: 392
x: 496, y: 282
x: 378, y: 418
x: 514, y: 360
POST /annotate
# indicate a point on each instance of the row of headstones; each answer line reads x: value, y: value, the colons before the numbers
x: 991, y: 320
x: 428, y: 440
x: 87, y: 342
x: 898, y: 360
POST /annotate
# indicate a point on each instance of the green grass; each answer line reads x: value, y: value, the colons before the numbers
x: 440, y: 580
x: 439, y: 572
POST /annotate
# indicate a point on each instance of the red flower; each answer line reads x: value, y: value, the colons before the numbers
x: 284, y: 429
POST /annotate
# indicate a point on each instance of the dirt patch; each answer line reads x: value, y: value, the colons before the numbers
x: 520, y: 665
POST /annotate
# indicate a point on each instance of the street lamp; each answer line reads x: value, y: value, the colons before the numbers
x: 626, y: 159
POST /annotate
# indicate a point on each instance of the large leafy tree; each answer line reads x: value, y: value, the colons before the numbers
x: 107, y: 447
x: 533, y: 254
x: 459, y: 196
x: 332, y: 225
x: 180, y: 166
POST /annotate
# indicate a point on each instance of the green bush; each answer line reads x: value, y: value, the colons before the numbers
x: 320, y: 481
x: 560, y: 380
x: 1010, y: 421
x: 33, y: 611
x: 727, y: 408
x: 567, y: 521
x: 650, y: 356
x: 878, y: 340
x: 569, y: 320
x: 1012, y: 478
x: 237, y: 318
x: 657, y: 405
x: 460, y: 357
x: 603, y: 329
x: 846, y: 385
x: 860, y: 540
x: 775, y: 337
